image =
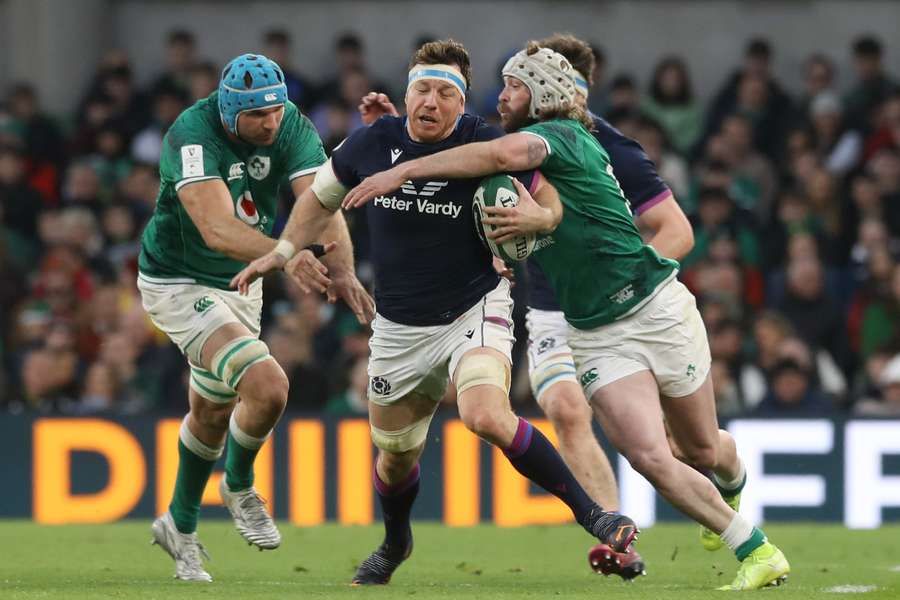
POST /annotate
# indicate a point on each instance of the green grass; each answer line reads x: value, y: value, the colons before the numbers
x: 116, y: 561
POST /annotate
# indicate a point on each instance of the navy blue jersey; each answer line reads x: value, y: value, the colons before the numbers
x: 430, y: 266
x: 640, y: 182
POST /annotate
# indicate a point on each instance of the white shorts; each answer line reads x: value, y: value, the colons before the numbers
x: 665, y: 336
x: 189, y: 312
x: 407, y: 358
x: 549, y: 355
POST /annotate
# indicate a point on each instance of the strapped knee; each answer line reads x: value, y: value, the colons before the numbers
x: 482, y: 369
x: 233, y: 359
x: 211, y: 387
x: 550, y: 372
x: 401, y: 440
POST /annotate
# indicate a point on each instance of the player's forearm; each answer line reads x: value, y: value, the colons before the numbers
x: 307, y: 222
x: 672, y: 242
x: 339, y: 260
x: 237, y: 240
x: 470, y: 160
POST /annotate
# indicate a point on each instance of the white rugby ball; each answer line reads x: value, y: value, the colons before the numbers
x: 498, y: 190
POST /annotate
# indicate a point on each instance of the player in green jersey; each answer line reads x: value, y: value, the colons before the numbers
x: 220, y: 169
x: 638, y: 340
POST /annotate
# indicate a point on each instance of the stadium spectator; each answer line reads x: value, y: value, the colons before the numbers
x: 204, y: 77
x: 887, y: 402
x: 670, y: 102
x: 837, y: 146
x: 40, y: 136
x: 277, y: 46
x: 20, y: 203
x: 147, y: 145
x: 181, y: 57
x: 873, y: 85
x: 818, y: 78
x: 353, y: 400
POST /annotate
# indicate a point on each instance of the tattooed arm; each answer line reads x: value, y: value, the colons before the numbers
x: 513, y: 152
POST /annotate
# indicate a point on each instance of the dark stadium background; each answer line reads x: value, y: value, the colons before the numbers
x: 783, y: 146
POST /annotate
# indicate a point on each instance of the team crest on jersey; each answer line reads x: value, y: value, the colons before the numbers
x: 380, y: 386
x: 245, y: 208
x: 546, y: 344
x: 259, y: 166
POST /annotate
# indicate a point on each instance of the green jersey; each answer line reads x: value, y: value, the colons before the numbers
x: 196, y: 148
x: 596, y: 262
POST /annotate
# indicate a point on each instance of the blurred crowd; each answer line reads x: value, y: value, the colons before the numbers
x: 795, y: 202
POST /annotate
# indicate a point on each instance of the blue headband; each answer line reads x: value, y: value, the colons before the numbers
x: 440, y: 72
x: 582, y: 85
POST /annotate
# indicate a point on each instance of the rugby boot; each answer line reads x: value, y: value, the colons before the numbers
x: 185, y: 548
x: 764, y: 567
x: 252, y: 520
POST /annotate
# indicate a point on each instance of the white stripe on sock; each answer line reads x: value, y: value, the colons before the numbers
x: 737, y: 532
x: 245, y: 439
x: 191, y: 442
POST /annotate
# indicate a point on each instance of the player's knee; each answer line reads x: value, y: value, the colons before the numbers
x: 395, y: 466
x: 650, y: 462
x: 265, y: 388
x: 568, y: 412
x: 484, y: 422
x: 213, y: 416
x: 482, y: 369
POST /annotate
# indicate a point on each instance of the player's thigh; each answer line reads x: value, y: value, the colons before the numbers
x: 565, y: 405
x: 692, y: 420
x: 482, y: 379
x: 629, y: 412
x: 550, y: 359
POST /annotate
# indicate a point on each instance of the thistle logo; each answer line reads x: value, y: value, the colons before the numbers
x: 589, y: 377
x: 546, y: 344
x: 246, y: 209
x: 381, y: 386
x: 203, y: 304
x: 259, y: 166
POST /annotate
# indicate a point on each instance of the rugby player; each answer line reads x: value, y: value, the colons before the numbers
x: 638, y: 341
x: 221, y: 165
x: 443, y: 312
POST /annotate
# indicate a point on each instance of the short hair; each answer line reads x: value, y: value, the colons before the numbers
x: 348, y: 41
x: 444, y: 52
x: 759, y: 47
x: 867, y: 46
x: 181, y: 36
x: 277, y: 36
x: 577, y: 52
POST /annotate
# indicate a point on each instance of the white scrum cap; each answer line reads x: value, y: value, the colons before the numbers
x: 547, y: 74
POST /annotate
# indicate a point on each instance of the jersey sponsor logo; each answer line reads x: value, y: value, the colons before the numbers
x: 395, y: 154
x: 192, y: 161
x: 543, y: 242
x: 259, y: 167
x: 236, y: 171
x: 623, y: 295
x: 428, y: 189
x: 589, y: 377
x: 423, y: 205
x: 203, y: 304
x: 245, y: 208
x: 380, y: 386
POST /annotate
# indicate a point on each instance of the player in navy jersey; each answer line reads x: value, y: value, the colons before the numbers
x: 442, y: 310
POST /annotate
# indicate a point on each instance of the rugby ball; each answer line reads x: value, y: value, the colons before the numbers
x: 498, y: 190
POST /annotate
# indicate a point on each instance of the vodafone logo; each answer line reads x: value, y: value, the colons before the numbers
x: 246, y: 209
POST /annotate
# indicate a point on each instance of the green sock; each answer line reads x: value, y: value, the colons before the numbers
x: 757, y: 539
x: 242, y: 451
x: 193, y: 473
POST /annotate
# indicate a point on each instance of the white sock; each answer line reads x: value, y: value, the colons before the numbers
x: 193, y: 444
x: 737, y: 532
x: 735, y: 483
x: 245, y: 439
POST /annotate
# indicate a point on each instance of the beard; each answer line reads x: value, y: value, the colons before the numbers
x: 514, y: 121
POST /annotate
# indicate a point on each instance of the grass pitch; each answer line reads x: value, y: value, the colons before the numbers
x: 116, y: 561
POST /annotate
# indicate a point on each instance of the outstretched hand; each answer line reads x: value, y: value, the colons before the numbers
x: 308, y: 272
x: 526, y: 217
x: 256, y: 269
x: 375, y: 185
x: 375, y: 105
x: 349, y: 289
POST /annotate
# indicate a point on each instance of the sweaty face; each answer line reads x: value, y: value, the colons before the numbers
x: 260, y: 127
x: 432, y: 107
x: 513, y: 104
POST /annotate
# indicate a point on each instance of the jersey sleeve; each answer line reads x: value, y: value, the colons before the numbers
x: 188, y: 155
x: 346, y: 154
x: 562, y: 146
x: 637, y: 175
x: 303, y: 152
